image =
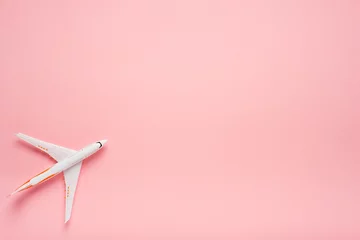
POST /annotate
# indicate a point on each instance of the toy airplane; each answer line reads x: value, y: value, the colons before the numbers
x: 68, y: 161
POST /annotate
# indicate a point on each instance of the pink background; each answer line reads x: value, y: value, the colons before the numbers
x: 226, y: 119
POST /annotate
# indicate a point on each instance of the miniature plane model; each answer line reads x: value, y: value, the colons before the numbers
x: 68, y: 161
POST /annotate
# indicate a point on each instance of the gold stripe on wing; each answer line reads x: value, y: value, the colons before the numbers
x: 42, y: 172
x: 25, y: 188
x: 24, y: 184
x: 52, y: 175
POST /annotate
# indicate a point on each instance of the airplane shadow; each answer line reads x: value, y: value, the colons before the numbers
x: 93, y: 159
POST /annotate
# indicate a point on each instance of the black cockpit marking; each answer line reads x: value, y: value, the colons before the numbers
x: 100, y: 144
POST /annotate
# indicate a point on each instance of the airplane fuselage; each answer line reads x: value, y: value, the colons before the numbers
x: 62, y: 166
x: 69, y: 163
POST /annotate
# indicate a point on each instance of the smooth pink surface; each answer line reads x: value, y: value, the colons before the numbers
x: 225, y: 119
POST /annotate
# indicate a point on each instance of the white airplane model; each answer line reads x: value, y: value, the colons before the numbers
x: 68, y: 161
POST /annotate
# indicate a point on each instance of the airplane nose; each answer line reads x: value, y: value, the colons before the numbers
x: 101, y: 143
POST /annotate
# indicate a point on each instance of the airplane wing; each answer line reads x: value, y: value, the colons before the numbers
x: 71, y: 176
x: 56, y: 152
